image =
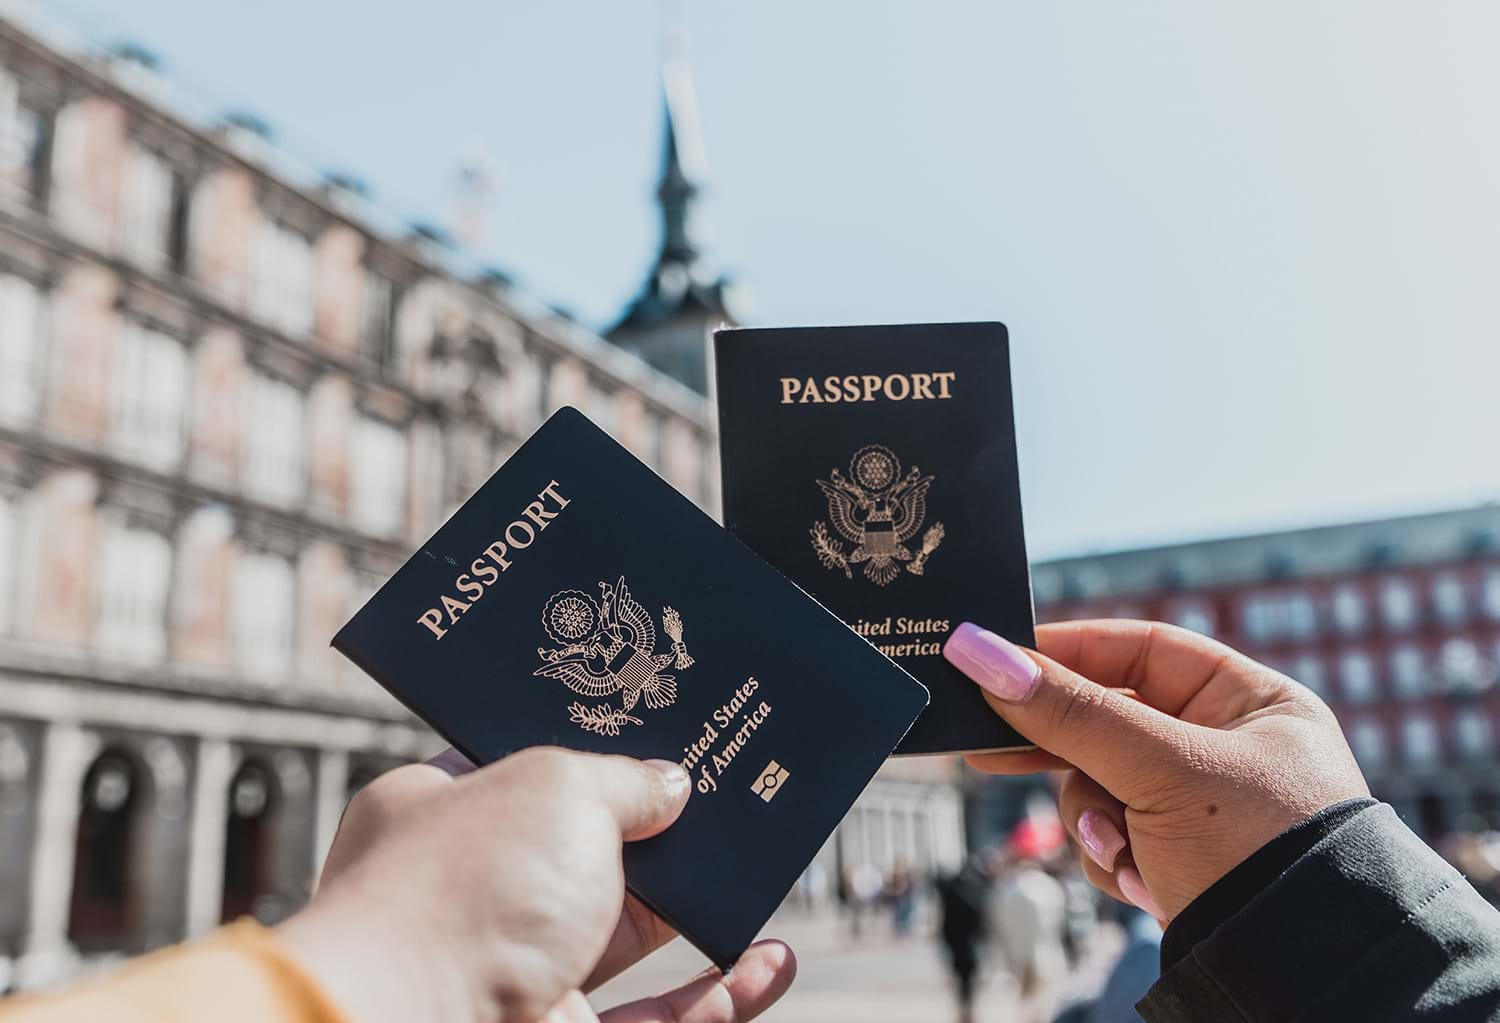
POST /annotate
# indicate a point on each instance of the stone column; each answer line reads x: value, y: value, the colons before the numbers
x: 295, y: 827
x: 888, y: 831
x: 210, y: 817
x: 332, y: 787
x: 67, y: 751
x: 915, y: 824
x: 167, y: 839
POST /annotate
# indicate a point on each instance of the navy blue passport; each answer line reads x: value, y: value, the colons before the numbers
x: 578, y: 600
x: 876, y: 468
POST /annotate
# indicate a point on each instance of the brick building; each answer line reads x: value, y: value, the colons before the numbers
x: 233, y: 397
x: 1395, y: 623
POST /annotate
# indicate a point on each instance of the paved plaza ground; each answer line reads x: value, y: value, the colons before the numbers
x: 874, y: 979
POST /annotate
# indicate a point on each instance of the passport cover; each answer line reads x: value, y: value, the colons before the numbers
x: 578, y: 600
x: 876, y: 467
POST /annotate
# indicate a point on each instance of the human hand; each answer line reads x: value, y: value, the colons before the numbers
x: 497, y: 896
x: 1182, y: 756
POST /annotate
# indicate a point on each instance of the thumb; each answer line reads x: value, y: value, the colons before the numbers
x: 645, y: 796
x: 1118, y: 741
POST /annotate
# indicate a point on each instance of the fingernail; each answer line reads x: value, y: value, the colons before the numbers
x: 671, y: 770
x: 996, y: 663
x: 1134, y: 889
x: 1099, y: 837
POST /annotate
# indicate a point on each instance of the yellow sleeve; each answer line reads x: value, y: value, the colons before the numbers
x: 236, y: 974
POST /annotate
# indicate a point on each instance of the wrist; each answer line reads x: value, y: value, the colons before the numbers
x: 378, y: 969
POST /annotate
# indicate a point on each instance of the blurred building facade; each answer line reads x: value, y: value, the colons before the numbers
x: 231, y: 403
x: 1395, y: 624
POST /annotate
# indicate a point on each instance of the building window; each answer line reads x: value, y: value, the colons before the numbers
x: 1367, y: 740
x: 264, y: 614
x: 135, y: 571
x: 1197, y: 617
x: 1357, y: 675
x: 1270, y: 616
x: 1448, y: 598
x: 283, y: 292
x: 1257, y: 620
x: 1472, y: 733
x: 1301, y: 615
x: 378, y: 494
x: 1349, y: 609
x: 1398, y: 604
x: 25, y: 147
x: 1308, y: 669
x: 150, y: 384
x: 273, y: 441
x: 22, y: 327
x: 154, y: 204
x: 1419, y: 737
x: 1492, y: 593
x: 1464, y: 671
x: 379, y: 327
x: 1408, y: 672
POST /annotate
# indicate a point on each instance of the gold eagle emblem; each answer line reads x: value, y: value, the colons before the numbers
x: 879, y: 511
x: 606, y: 648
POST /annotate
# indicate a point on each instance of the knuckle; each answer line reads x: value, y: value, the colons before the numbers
x: 376, y: 803
x: 545, y: 764
x: 1077, y: 706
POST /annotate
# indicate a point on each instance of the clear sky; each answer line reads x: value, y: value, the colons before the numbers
x: 1248, y: 252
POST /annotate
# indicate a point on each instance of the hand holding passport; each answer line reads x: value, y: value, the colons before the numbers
x: 577, y: 600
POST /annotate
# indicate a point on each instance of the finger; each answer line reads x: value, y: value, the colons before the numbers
x: 1167, y: 665
x: 1094, y: 818
x: 761, y: 977
x: 1120, y: 742
x: 408, y: 780
x: 638, y: 933
x: 1133, y: 890
x: 643, y: 796
x: 451, y: 762
x: 1103, y: 880
x: 571, y: 1008
x: 1024, y: 761
x: 376, y: 804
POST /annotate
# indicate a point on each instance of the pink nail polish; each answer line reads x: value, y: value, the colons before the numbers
x: 1099, y: 837
x: 1133, y: 887
x: 996, y: 663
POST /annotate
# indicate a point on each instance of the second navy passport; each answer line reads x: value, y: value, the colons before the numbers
x: 578, y: 600
x: 876, y: 467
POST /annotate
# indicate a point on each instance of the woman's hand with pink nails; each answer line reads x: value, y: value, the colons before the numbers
x: 1182, y: 757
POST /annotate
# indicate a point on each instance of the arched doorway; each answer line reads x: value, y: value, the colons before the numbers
x: 104, y: 911
x: 250, y: 840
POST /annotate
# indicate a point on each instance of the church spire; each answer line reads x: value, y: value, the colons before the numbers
x: 684, y: 164
x: 683, y: 297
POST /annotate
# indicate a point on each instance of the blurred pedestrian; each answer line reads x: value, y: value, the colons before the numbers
x: 1082, y: 901
x: 1030, y: 916
x: 812, y: 886
x: 963, y: 901
x: 863, y: 888
x: 901, y: 896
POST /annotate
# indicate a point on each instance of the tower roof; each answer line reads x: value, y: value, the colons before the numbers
x: 682, y: 285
